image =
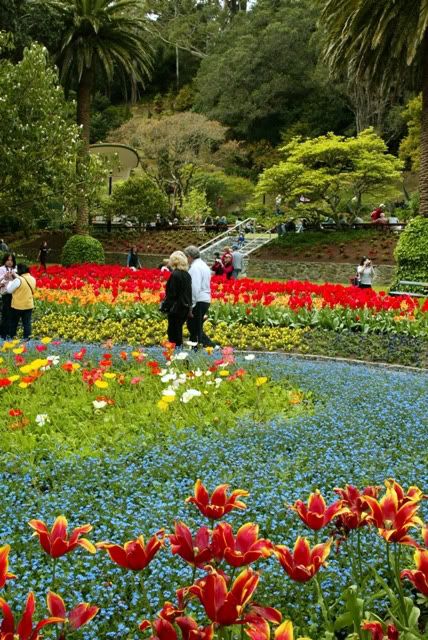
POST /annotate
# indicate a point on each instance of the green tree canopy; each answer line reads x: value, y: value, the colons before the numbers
x: 261, y: 78
x: 38, y: 140
x: 333, y: 173
x: 410, y: 147
x: 138, y: 200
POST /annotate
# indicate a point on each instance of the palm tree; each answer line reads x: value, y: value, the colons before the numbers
x: 100, y: 37
x: 385, y: 43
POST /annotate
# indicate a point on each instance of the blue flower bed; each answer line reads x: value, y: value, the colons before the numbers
x: 370, y: 423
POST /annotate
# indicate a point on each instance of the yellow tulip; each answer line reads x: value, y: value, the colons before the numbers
x: 260, y: 381
x: 101, y: 384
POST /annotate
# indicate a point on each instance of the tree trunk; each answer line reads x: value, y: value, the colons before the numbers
x: 84, y: 120
x: 423, y: 174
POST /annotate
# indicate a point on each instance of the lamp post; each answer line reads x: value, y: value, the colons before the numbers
x: 110, y: 188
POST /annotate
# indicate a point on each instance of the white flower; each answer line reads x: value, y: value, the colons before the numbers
x: 168, y: 392
x: 181, y: 356
x: 250, y: 356
x: 208, y: 373
x: 189, y: 394
x: 53, y: 360
x: 162, y: 372
x: 168, y: 377
x: 191, y: 344
x: 197, y: 373
x: 218, y: 381
x: 99, y: 404
x: 42, y: 419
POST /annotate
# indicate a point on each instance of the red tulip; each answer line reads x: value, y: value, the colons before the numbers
x: 15, y: 412
x: 357, y: 510
x: 419, y: 577
x: 285, y: 631
x: 257, y: 628
x: 24, y: 629
x: 190, y: 630
x: 377, y: 633
x: 218, y: 504
x: 162, y: 629
x: 56, y: 543
x: 395, y: 513
x: 4, y: 565
x: 225, y: 607
x: 77, y: 617
x: 304, y: 562
x: 134, y: 555
x: 196, y: 551
x: 241, y: 550
x: 425, y: 535
x: 316, y: 514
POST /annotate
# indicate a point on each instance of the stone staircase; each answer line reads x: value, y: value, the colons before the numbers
x: 253, y: 241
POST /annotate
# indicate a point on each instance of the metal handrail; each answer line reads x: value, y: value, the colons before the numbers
x: 214, y: 240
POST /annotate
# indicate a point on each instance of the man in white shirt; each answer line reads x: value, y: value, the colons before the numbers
x: 201, y: 296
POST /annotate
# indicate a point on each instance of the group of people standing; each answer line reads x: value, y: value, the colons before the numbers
x: 230, y: 264
x: 187, y: 297
x: 17, y: 288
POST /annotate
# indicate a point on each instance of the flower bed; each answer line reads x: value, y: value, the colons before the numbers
x: 367, y: 425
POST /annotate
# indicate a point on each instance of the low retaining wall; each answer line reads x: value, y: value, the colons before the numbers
x: 313, y: 271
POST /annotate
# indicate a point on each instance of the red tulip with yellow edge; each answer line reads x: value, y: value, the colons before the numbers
x: 161, y: 628
x: 395, y: 513
x: 257, y: 628
x: 218, y: 504
x: 357, y: 510
x: 242, y: 549
x: 80, y: 615
x: 4, y: 565
x: 377, y: 632
x: 225, y: 607
x: 425, y: 535
x: 24, y: 629
x: 56, y: 543
x: 316, y: 514
x: 304, y: 562
x: 190, y: 630
x: 419, y: 576
x: 194, y: 550
x: 135, y: 554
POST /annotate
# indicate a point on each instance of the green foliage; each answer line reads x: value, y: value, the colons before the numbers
x: 234, y: 191
x: 334, y: 173
x: 410, y: 145
x: 260, y: 77
x: 138, y: 200
x: 411, y: 251
x: 184, y: 99
x: 82, y: 249
x: 38, y: 143
x: 195, y: 205
x: 106, y: 117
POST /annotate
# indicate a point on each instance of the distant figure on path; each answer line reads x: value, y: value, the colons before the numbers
x: 237, y: 261
x: 133, y: 260
x: 43, y: 254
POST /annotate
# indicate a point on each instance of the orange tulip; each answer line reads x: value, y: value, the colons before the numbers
x: 219, y: 504
x: 285, y: 631
x: 4, y: 565
x: 56, y: 543
x: 395, y: 513
x: 419, y: 577
x: 316, y: 514
x: 134, y: 555
x: 77, y: 617
x: 304, y: 562
x: 241, y: 550
x: 24, y: 629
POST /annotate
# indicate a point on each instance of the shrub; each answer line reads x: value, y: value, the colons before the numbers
x: 80, y: 249
x: 138, y: 200
x: 411, y: 251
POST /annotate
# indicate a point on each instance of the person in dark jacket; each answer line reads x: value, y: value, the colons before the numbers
x: 178, y: 297
x: 133, y: 260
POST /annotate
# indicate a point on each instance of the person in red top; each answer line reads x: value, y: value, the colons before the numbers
x: 376, y: 213
x: 227, y: 260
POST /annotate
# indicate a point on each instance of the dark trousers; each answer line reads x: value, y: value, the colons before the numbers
x: 175, y: 327
x: 25, y: 316
x: 6, y: 300
x: 194, y: 324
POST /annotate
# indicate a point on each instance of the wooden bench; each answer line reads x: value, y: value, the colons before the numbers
x: 407, y: 283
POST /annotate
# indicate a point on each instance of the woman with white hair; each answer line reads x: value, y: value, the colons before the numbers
x: 178, y: 297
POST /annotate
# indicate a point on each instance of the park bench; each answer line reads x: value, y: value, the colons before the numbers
x: 403, y: 284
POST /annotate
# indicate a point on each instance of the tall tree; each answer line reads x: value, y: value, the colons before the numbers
x: 385, y: 43
x: 99, y: 37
